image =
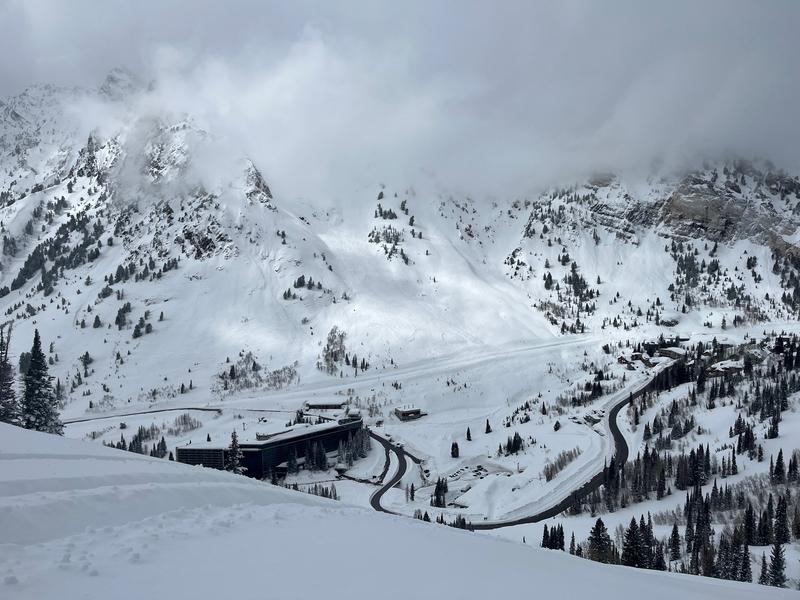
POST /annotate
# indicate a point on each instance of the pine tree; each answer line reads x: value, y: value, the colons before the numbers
x: 9, y: 404
x: 777, y: 566
x: 675, y: 544
x: 779, y: 471
x: 39, y: 405
x: 630, y: 545
x: 763, y: 577
x: 745, y: 571
x: 659, y: 564
x: 749, y: 525
x: 234, y: 462
x: 769, y: 523
x: 599, y: 544
x: 781, y: 522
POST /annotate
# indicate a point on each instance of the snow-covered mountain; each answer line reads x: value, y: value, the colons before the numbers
x: 112, y: 231
x: 104, y: 233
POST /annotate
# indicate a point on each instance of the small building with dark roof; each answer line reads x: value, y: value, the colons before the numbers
x: 408, y: 413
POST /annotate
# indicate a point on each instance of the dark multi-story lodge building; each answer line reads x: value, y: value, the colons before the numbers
x: 265, y: 452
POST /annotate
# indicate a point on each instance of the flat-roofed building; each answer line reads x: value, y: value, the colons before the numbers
x: 408, y: 413
x: 263, y: 452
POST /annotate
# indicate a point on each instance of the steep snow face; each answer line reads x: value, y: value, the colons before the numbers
x: 82, y: 520
x: 131, y: 236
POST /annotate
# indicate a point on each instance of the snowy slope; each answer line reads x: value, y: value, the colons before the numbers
x: 79, y: 519
x: 215, y: 253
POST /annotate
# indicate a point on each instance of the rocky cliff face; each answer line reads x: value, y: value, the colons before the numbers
x: 728, y: 201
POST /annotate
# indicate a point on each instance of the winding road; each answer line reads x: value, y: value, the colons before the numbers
x: 620, y: 453
x: 402, y: 467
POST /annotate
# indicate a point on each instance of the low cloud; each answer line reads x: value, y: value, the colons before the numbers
x: 489, y: 99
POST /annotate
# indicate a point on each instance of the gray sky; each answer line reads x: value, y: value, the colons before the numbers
x: 496, y: 95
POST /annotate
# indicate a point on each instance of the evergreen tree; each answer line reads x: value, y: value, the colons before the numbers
x: 745, y: 571
x: 631, y: 545
x: 763, y: 577
x: 749, y: 525
x: 9, y: 404
x: 659, y: 564
x: 558, y: 542
x: 234, y: 462
x: 675, y: 544
x: 781, y: 522
x: 39, y: 405
x: 777, y: 566
x: 599, y: 544
x: 779, y: 471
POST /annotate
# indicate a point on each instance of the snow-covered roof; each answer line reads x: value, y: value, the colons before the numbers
x: 676, y: 350
x: 724, y: 365
x: 256, y: 437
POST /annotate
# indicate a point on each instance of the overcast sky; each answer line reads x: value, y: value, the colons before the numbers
x: 494, y: 94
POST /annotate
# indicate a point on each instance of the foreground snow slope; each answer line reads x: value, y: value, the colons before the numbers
x: 82, y: 521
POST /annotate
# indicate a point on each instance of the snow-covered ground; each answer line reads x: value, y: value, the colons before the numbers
x: 81, y: 521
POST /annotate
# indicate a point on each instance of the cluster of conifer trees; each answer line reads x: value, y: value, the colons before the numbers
x: 458, y: 522
x: 553, y: 539
x: 38, y: 408
x: 439, y: 497
x: 513, y: 445
x: 763, y: 394
x: 138, y: 445
x: 316, y: 489
x: 641, y: 549
x: 316, y: 458
x: 357, y: 446
x: 59, y: 254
